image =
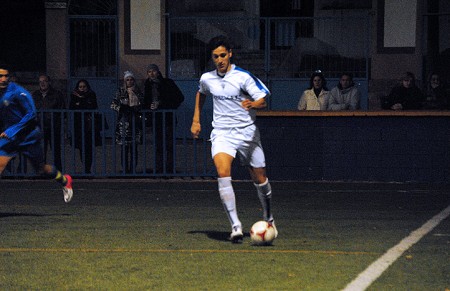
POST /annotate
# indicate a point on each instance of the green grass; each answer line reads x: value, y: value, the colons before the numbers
x: 133, y: 235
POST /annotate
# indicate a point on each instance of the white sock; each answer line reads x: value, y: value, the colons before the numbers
x: 228, y: 200
x: 265, y: 195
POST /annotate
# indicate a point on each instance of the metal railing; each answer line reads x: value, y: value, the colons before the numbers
x: 191, y: 158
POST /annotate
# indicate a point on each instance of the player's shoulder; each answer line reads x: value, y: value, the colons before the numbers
x: 14, y: 88
x: 241, y: 73
x: 208, y: 75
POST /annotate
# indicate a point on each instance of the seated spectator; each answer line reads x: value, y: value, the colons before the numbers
x: 345, y: 96
x: 437, y: 97
x: 406, y: 96
x: 316, y: 96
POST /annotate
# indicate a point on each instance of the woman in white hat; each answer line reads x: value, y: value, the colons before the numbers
x: 128, y: 103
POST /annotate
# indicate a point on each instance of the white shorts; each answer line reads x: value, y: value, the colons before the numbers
x: 246, y: 141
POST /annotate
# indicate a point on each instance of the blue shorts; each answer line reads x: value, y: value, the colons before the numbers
x: 30, y: 147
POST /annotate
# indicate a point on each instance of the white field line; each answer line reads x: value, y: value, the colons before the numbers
x: 369, y: 275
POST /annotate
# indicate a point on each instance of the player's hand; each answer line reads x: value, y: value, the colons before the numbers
x: 3, y: 135
x: 247, y: 104
x: 195, y: 129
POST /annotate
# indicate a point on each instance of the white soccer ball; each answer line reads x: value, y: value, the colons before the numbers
x: 262, y: 233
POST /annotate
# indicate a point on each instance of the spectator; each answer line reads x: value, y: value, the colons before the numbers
x: 47, y: 98
x: 345, y: 96
x: 162, y: 94
x: 128, y: 103
x: 437, y: 97
x: 406, y: 96
x: 316, y: 96
x: 83, y: 98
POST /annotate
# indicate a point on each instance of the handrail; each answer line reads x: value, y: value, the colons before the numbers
x: 385, y: 113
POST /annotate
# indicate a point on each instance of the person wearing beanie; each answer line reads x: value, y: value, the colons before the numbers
x: 162, y: 96
x: 128, y: 104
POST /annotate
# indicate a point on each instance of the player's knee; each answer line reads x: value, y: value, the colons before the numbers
x: 223, y: 174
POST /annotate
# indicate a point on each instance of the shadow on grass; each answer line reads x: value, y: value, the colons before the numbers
x: 216, y: 235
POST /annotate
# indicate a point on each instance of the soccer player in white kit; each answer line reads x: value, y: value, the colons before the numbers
x: 236, y: 94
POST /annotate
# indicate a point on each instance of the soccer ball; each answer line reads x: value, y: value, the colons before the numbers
x: 262, y: 233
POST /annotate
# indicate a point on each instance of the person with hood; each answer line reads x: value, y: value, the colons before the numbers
x: 162, y: 94
x: 345, y: 96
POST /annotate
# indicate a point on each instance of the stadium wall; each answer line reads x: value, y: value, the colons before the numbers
x: 356, y: 146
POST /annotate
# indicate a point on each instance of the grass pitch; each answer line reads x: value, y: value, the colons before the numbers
x: 173, y: 235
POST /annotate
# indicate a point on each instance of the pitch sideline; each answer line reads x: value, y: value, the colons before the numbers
x: 374, y: 271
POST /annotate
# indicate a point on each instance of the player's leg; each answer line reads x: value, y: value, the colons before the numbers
x: 34, y: 154
x: 264, y: 191
x: 4, y: 160
x: 223, y: 163
x: 252, y: 155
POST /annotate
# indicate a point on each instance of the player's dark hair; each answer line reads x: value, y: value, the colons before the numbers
x: 4, y: 66
x: 220, y: 40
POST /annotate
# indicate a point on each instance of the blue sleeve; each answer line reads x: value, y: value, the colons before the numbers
x: 24, y: 108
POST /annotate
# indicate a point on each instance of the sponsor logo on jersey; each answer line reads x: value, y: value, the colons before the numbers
x: 234, y: 97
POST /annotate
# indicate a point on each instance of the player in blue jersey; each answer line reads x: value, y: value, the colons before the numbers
x: 236, y: 94
x: 20, y: 134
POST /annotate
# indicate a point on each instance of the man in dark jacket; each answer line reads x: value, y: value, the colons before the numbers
x: 48, y: 98
x: 162, y: 94
x: 406, y: 96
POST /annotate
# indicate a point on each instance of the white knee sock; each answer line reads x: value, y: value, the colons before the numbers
x: 265, y: 195
x: 228, y: 200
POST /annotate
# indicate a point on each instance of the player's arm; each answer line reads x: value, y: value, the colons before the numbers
x: 199, y: 102
x: 28, y: 119
x: 257, y: 104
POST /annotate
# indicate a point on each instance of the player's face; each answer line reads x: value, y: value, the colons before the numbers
x: 345, y: 81
x: 4, y: 78
x: 221, y: 57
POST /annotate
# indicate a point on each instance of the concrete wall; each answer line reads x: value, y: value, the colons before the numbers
x: 391, y: 147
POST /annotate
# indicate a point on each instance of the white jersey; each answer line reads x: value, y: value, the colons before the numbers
x: 228, y: 92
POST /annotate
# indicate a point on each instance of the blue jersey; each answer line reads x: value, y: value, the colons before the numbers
x: 18, y: 118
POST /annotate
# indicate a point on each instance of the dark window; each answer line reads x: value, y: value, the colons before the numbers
x: 93, y: 7
x: 23, y: 35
